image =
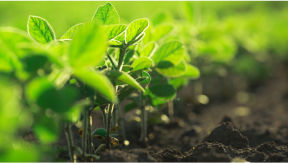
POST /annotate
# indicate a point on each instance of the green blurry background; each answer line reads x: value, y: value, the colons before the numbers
x: 65, y: 14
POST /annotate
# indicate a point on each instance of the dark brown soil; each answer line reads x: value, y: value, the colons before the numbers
x: 225, y: 130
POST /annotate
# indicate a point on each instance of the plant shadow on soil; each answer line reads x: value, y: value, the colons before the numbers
x: 218, y: 131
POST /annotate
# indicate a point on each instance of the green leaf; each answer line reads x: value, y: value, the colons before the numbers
x: 70, y: 33
x: 40, y: 30
x: 148, y: 49
x: 47, y: 96
x: 11, y: 41
x: 99, y: 82
x: 191, y: 72
x: 160, y: 18
x: 32, y: 63
x: 172, y: 51
x: 141, y: 63
x: 88, y: 46
x: 130, y: 106
x: 99, y: 132
x: 46, y: 129
x: 162, y: 90
x: 58, y: 100
x: 144, y: 79
x: 125, y: 78
x: 167, y: 69
x: 106, y: 14
x: 178, y: 82
x: 135, y: 30
x: 36, y: 87
x: 161, y: 31
x: 114, y: 30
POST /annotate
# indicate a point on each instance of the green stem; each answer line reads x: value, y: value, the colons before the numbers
x: 70, y: 143
x: 115, y: 46
x: 111, y: 106
x: 112, y: 62
x: 121, y: 57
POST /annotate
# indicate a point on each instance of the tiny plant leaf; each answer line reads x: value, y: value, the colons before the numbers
x: 106, y: 14
x: 135, y: 30
x: 40, y: 30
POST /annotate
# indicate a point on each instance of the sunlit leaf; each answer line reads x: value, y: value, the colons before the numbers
x: 167, y: 69
x: 114, y: 30
x: 191, y: 72
x: 141, y: 63
x: 148, y: 49
x: 40, y: 30
x: 106, y: 14
x: 135, y: 30
x: 161, y: 31
x: 172, y: 51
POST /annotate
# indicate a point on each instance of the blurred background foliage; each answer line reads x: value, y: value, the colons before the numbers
x: 242, y: 38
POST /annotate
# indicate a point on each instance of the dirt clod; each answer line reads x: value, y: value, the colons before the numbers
x: 227, y: 134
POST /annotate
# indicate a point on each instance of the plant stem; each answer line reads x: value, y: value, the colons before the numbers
x: 115, y: 116
x: 70, y: 143
x: 111, y: 60
x: 111, y: 106
x: 115, y: 46
x: 171, y: 109
x: 110, y: 109
x: 84, y: 135
x: 104, y: 117
x: 143, y: 119
x: 90, y: 145
x: 121, y: 57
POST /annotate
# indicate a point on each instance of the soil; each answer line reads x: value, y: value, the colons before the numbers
x: 250, y: 125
